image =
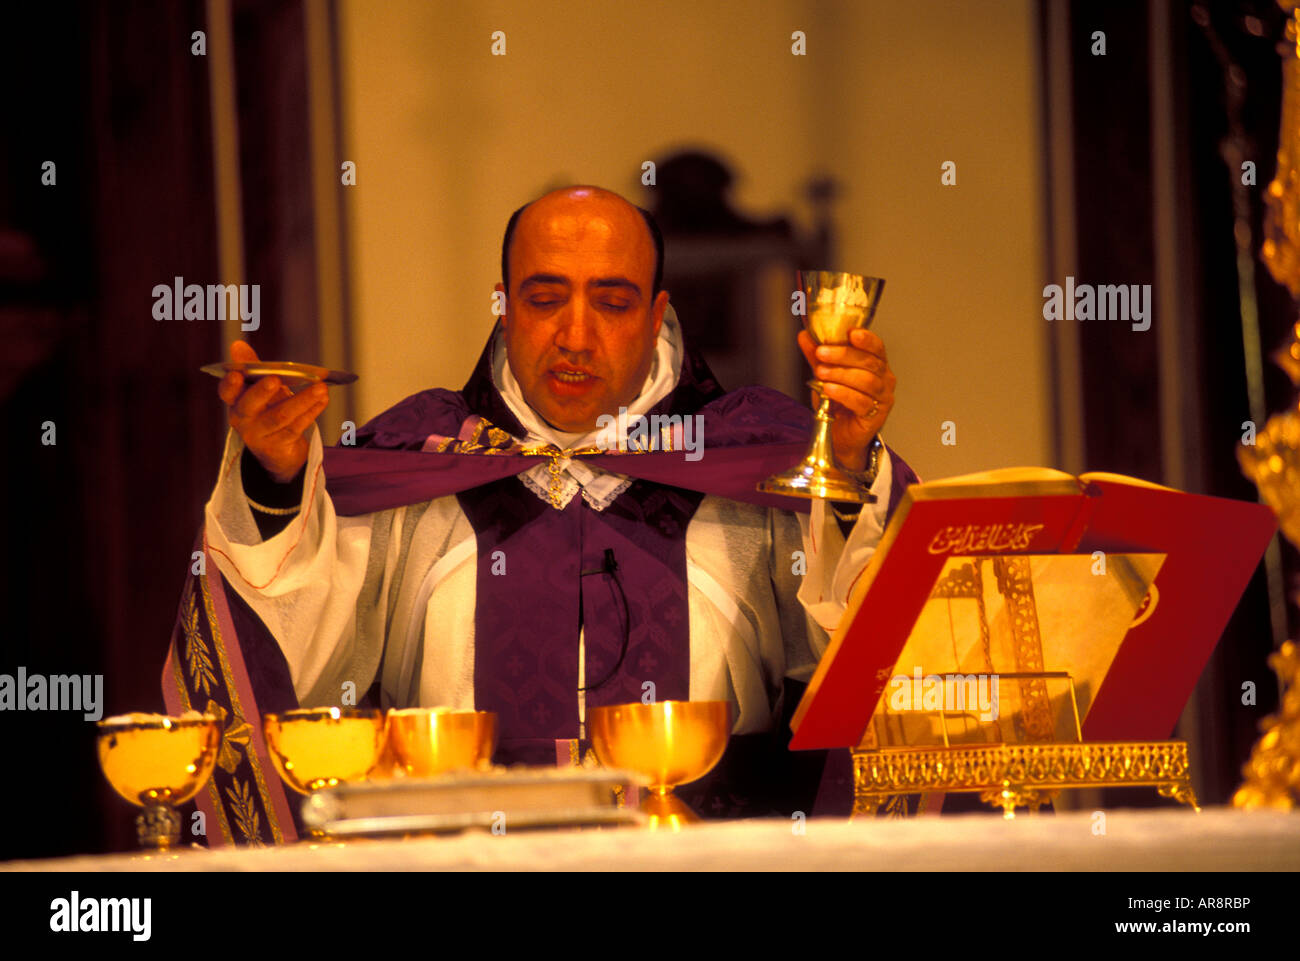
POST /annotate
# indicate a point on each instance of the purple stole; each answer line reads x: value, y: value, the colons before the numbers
x: 526, y: 623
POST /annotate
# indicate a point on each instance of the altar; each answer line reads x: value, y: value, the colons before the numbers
x: 1172, y: 839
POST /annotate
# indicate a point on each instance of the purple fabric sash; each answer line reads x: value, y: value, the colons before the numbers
x: 748, y: 434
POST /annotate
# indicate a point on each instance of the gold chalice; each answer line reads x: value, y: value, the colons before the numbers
x: 158, y: 762
x: 670, y: 742
x: 837, y: 304
x: 427, y: 741
x: 318, y: 747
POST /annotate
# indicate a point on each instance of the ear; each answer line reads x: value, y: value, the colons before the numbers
x: 657, y: 310
x: 501, y: 288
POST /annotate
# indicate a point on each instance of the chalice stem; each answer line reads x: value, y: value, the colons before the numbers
x: 158, y: 827
x: 821, y: 453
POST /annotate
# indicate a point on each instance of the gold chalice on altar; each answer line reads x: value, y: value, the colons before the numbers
x: 837, y: 304
x: 670, y: 742
x: 318, y: 747
x: 426, y: 741
x: 158, y: 762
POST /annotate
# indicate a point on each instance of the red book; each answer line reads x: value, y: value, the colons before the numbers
x: 1134, y: 674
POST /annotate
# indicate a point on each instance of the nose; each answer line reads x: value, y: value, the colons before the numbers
x: 575, y: 334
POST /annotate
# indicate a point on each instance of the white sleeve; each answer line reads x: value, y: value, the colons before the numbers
x: 835, y: 563
x: 304, y: 582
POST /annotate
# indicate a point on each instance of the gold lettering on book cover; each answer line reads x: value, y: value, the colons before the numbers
x: 980, y: 538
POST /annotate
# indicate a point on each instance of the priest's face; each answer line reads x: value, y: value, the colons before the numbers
x: 581, y: 322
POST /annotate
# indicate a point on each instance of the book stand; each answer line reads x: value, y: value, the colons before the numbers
x: 1021, y: 633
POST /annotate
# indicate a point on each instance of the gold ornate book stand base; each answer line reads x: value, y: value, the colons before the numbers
x: 1015, y: 775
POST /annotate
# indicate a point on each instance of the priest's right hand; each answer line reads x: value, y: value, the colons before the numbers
x: 273, y: 422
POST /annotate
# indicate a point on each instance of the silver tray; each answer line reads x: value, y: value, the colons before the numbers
x: 516, y: 798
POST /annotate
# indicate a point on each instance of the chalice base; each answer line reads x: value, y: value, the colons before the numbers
x: 816, y: 475
x: 811, y: 480
x: 667, y: 812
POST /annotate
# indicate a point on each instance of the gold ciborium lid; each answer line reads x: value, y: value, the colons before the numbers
x: 669, y: 742
x: 428, y: 741
x: 158, y: 762
x: 318, y: 747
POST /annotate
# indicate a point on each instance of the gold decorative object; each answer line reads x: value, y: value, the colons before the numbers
x: 1281, y: 249
x: 1288, y: 356
x: 430, y: 741
x: 1011, y: 775
x: 1272, y: 775
x: 1273, y: 771
x: 1273, y: 464
x: 313, y: 748
x: 837, y: 304
x: 158, y: 762
x: 668, y: 742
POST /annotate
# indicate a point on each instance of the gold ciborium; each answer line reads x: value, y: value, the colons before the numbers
x: 318, y: 747
x: 158, y: 762
x: 427, y: 741
x: 837, y: 304
x: 670, y: 742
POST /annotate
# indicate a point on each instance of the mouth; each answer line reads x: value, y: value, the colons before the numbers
x: 570, y: 380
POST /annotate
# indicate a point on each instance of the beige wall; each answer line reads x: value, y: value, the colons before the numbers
x: 925, y: 83
x: 449, y: 139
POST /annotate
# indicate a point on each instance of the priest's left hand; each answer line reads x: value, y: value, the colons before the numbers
x: 861, y: 388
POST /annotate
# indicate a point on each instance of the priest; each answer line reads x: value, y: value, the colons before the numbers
x: 577, y: 526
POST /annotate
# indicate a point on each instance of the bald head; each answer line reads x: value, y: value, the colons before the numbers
x: 582, y: 198
x: 581, y: 271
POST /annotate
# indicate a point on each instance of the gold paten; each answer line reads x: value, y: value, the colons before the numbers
x: 158, y: 762
x: 668, y: 742
x: 313, y: 748
x: 292, y: 374
x: 429, y: 741
x: 837, y: 304
x: 1020, y: 619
